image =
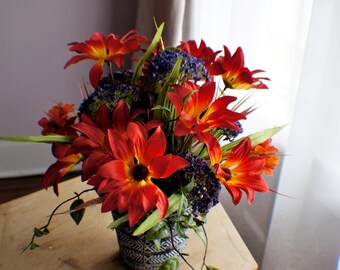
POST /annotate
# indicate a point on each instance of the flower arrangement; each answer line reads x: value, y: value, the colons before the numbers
x: 160, y: 139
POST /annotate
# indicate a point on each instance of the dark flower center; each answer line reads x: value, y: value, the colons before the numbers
x: 140, y: 172
x: 227, y: 171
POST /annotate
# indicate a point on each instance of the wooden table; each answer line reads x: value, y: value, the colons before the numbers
x: 90, y: 245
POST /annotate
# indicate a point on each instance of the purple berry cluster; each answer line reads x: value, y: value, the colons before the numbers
x: 191, y: 68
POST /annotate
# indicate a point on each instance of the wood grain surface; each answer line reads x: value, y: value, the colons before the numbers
x: 91, y: 245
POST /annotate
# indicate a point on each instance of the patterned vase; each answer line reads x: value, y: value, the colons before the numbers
x: 140, y: 254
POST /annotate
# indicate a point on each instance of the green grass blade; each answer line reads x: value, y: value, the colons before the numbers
x: 153, y: 219
x: 256, y: 138
x: 39, y: 139
x: 139, y: 66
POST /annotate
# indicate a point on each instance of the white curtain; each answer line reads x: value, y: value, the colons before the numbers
x: 296, y: 43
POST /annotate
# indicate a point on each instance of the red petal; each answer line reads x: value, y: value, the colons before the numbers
x: 118, y: 59
x: 213, y: 147
x: 129, y: 46
x: 98, y: 36
x: 149, y: 197
x: 115, y: 169
x: 76, y: 59
x: 110, y: 202
x: 205, y: 96
x: 96, y: 72
x: 162, y: 204
x: 120, y: 149
x: 120, y: 117
x: 93, y: 133
x: 137, y: 138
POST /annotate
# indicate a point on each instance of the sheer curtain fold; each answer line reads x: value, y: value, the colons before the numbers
x: 310, y: 175
x: 169, y: 11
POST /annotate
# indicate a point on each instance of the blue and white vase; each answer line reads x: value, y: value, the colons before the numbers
x: 140, y: 254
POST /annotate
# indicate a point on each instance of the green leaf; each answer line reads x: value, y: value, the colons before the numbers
x: 162, y: 98
x: 170, y: 264
x: 157, y: 243
x: 159, y: 231
x: 174, y: 75
x: 139, y: 66
x: 117, y: 222
x: 77, y: 216
x: 33, y: 246
x: 159, y: 107
x: 256, y: 138
x: 38, y: 232
x: 39, y: 139
x: 154, y: 219
x: 189, y: 186
x: 183, y: 205
x: 180, y: 230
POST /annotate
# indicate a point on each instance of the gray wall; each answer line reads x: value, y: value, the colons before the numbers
x: 33, y: 50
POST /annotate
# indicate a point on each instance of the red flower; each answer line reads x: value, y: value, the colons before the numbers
x: 268, y: 152
x: 101, y: 49
x: 202, y: 52
x: 241, y: 171
x: 199, y: 114
x: 128, y: 178
x: 94, y: 142
x: 234, y: 74
x: 59, y: 169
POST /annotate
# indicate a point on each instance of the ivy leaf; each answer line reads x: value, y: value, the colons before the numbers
x: 161, y: 230
x: 33, y: 246
x: 170, y: 264
x: 180, y: 230
x: 183, y: 205
x: 188, y: 221
x: 77, y: 216
x: 40, y: 233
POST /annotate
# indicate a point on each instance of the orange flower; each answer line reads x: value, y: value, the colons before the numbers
x: 127, y: 179
x: 101, y: 49
x: 268, y: 152
x: 60, y: 118
x: 234, y: 74
x: 201, y: 113
x: 241, y: 171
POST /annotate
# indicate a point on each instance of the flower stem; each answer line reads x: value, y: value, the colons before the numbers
x: 206, y: 246
x: 52, y: 215
x: 173, y: 245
